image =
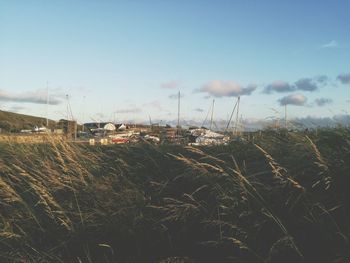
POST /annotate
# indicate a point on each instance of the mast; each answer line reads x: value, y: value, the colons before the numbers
x: 178, y: 113
x: 47, y: 104
x: 150, y: 122
x: 233, y: 111
x: 212, y: 113
x: 69, y: 112
x: 83, y: 114
x: 206, y: 117
x: 237, y: 114
x: 241, y: 124
x: 285, y: 116
x: 67, y: 101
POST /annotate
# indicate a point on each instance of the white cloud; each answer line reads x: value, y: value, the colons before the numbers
x: 293, y: 99
x: 170, y: 85
x: 331, y: 44
x: 218, y: 88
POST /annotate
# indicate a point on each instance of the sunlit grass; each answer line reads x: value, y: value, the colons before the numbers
x: 279, y: 197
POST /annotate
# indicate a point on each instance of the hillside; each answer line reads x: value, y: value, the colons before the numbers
x: 10, y: 121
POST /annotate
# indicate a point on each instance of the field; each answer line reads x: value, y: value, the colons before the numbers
x: 277, y: 197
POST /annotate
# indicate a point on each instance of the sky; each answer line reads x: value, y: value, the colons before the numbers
x: 127, y: 60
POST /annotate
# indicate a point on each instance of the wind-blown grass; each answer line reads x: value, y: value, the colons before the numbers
x: 280, y: 197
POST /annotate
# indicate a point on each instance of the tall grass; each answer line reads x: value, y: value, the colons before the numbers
x: 282, y: 197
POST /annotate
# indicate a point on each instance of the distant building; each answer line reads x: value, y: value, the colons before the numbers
x: 100, y: 127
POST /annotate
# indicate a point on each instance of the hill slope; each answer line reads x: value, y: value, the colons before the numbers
x: 10, y: 121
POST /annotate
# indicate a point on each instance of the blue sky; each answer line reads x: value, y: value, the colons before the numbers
x: 129, y: 57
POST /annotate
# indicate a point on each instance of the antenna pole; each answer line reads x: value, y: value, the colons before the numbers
x: 212, y: 113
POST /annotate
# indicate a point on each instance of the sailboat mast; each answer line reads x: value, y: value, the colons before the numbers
x: 237, y: 114
x: 178, y: 113
x: 285, y: 116
x: 233, y: 111
x: 83, y: 114
x: 69, y: 112
x: 47, y: 104
x: 212, y: 114
x: 67, y: 101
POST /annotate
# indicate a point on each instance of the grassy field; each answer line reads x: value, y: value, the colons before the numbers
x: 279, y: 197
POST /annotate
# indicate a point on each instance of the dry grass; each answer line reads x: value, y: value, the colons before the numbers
x: 282, y: 198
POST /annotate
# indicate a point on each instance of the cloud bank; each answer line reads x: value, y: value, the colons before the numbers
x: 278, y: 86
x: 129, y: 110
x: 306, y: 84
x: 18, y: 109
x: 36, y: 97
x: 303, y: 84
